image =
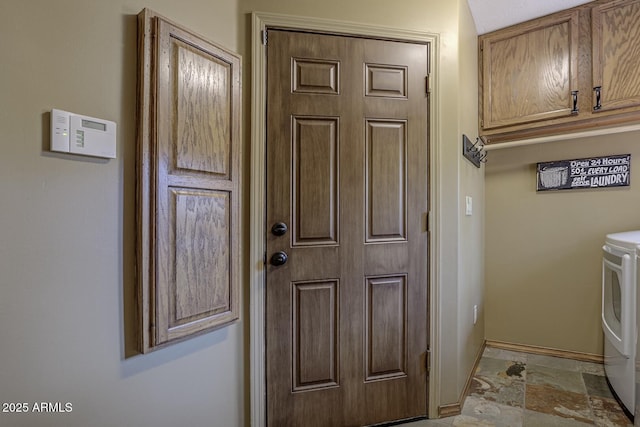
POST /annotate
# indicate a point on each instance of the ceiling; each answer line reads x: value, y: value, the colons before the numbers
x: 491, y: 15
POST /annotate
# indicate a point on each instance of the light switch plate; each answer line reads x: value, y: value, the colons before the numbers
x: 468, y: 205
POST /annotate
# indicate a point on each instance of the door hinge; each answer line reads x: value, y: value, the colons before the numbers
x: 428, y: 223
x: 428, y: 85
x: 428, y: 360
x: 263, y: 34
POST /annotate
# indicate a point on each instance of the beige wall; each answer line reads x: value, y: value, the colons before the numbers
x: 543, y: 250
x: 67, y: 223
x: 66, y: 229
x: 471, y: 241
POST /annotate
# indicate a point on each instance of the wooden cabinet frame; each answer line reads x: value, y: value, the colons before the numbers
x: 614, y: 35
x: 601, y: 88
x: 188, y: 183
x: 523, y: 87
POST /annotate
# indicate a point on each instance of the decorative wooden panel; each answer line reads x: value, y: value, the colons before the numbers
x: 530, y: 71
x: 616, y: 54
x: 203, y: 110
x: 188, y: 183
x: 386, y: 171
x: 386, y: 346
x: 386, y: 80
x: 315, y: 335
x: 201, y: 251
x: 315, y: 180
x: 315, y: 76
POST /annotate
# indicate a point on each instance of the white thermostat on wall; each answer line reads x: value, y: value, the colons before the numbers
x: 77, y: 134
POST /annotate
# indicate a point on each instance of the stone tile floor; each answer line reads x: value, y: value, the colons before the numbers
x: 514, y: 389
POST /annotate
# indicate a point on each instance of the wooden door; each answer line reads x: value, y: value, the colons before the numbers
x: 616, y: 55
x: 347, y: 173
x: 530, y: 71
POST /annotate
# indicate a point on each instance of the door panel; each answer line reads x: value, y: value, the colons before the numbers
x: 385, y: 179
x: 316, y: 76
x: 200, y: 213
x: 386, y: 313
x: 616, y: 56
x: 386, y: 81
x: 400, y: 397
x: 315, y: 179
x: 347, y: 171
x: 203, y: 110
x: 315, y: 335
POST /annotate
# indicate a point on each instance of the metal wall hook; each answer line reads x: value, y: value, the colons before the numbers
x: 474, y: 151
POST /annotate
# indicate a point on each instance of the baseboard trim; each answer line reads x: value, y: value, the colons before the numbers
x: 546, y: 351
x: 452, y: 409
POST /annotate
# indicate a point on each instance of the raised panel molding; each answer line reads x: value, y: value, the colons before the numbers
x: 203, y: 110
x: 315, y: 180
x: 315, y: 76
x: 315, y: 338
x: 386, y: 334
x: 386, y: 213
x: 188, y: 183
x: 201, y: 253
x: 386, y: 80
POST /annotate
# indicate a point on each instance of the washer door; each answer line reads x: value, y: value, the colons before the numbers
x: 616, y: 301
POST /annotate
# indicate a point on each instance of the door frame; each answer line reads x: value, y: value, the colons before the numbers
x: 257, y: 235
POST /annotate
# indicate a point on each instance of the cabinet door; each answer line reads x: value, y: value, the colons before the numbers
x: 616, y: 55
x: 188, y: 183
x: 529, y: 72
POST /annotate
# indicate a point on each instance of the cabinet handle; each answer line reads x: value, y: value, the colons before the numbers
x: 574, y: 95
x: 598, y: 105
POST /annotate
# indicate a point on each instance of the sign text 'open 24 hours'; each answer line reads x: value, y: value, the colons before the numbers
x: 594, y: 172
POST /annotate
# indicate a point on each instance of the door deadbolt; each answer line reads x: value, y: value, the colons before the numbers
x: 279, y: 229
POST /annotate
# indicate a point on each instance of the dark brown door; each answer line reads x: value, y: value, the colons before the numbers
x: 347, y: 173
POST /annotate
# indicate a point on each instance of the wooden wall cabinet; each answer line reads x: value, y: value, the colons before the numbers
x: 188, y: 183
x: 616, y: 55
x: 564, y: 72
x: 530, y: 71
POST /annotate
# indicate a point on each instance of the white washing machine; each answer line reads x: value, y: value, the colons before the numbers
x: 619, y: 313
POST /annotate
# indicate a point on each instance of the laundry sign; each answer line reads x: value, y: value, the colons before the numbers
x: 593, y: 172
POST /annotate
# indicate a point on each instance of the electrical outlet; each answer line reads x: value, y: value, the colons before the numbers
x: 475, y: 314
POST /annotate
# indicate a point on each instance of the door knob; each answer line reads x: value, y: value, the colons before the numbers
x: 279, y: 258
x: 279, y: 229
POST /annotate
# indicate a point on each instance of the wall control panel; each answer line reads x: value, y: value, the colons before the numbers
x: 78, y: 134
